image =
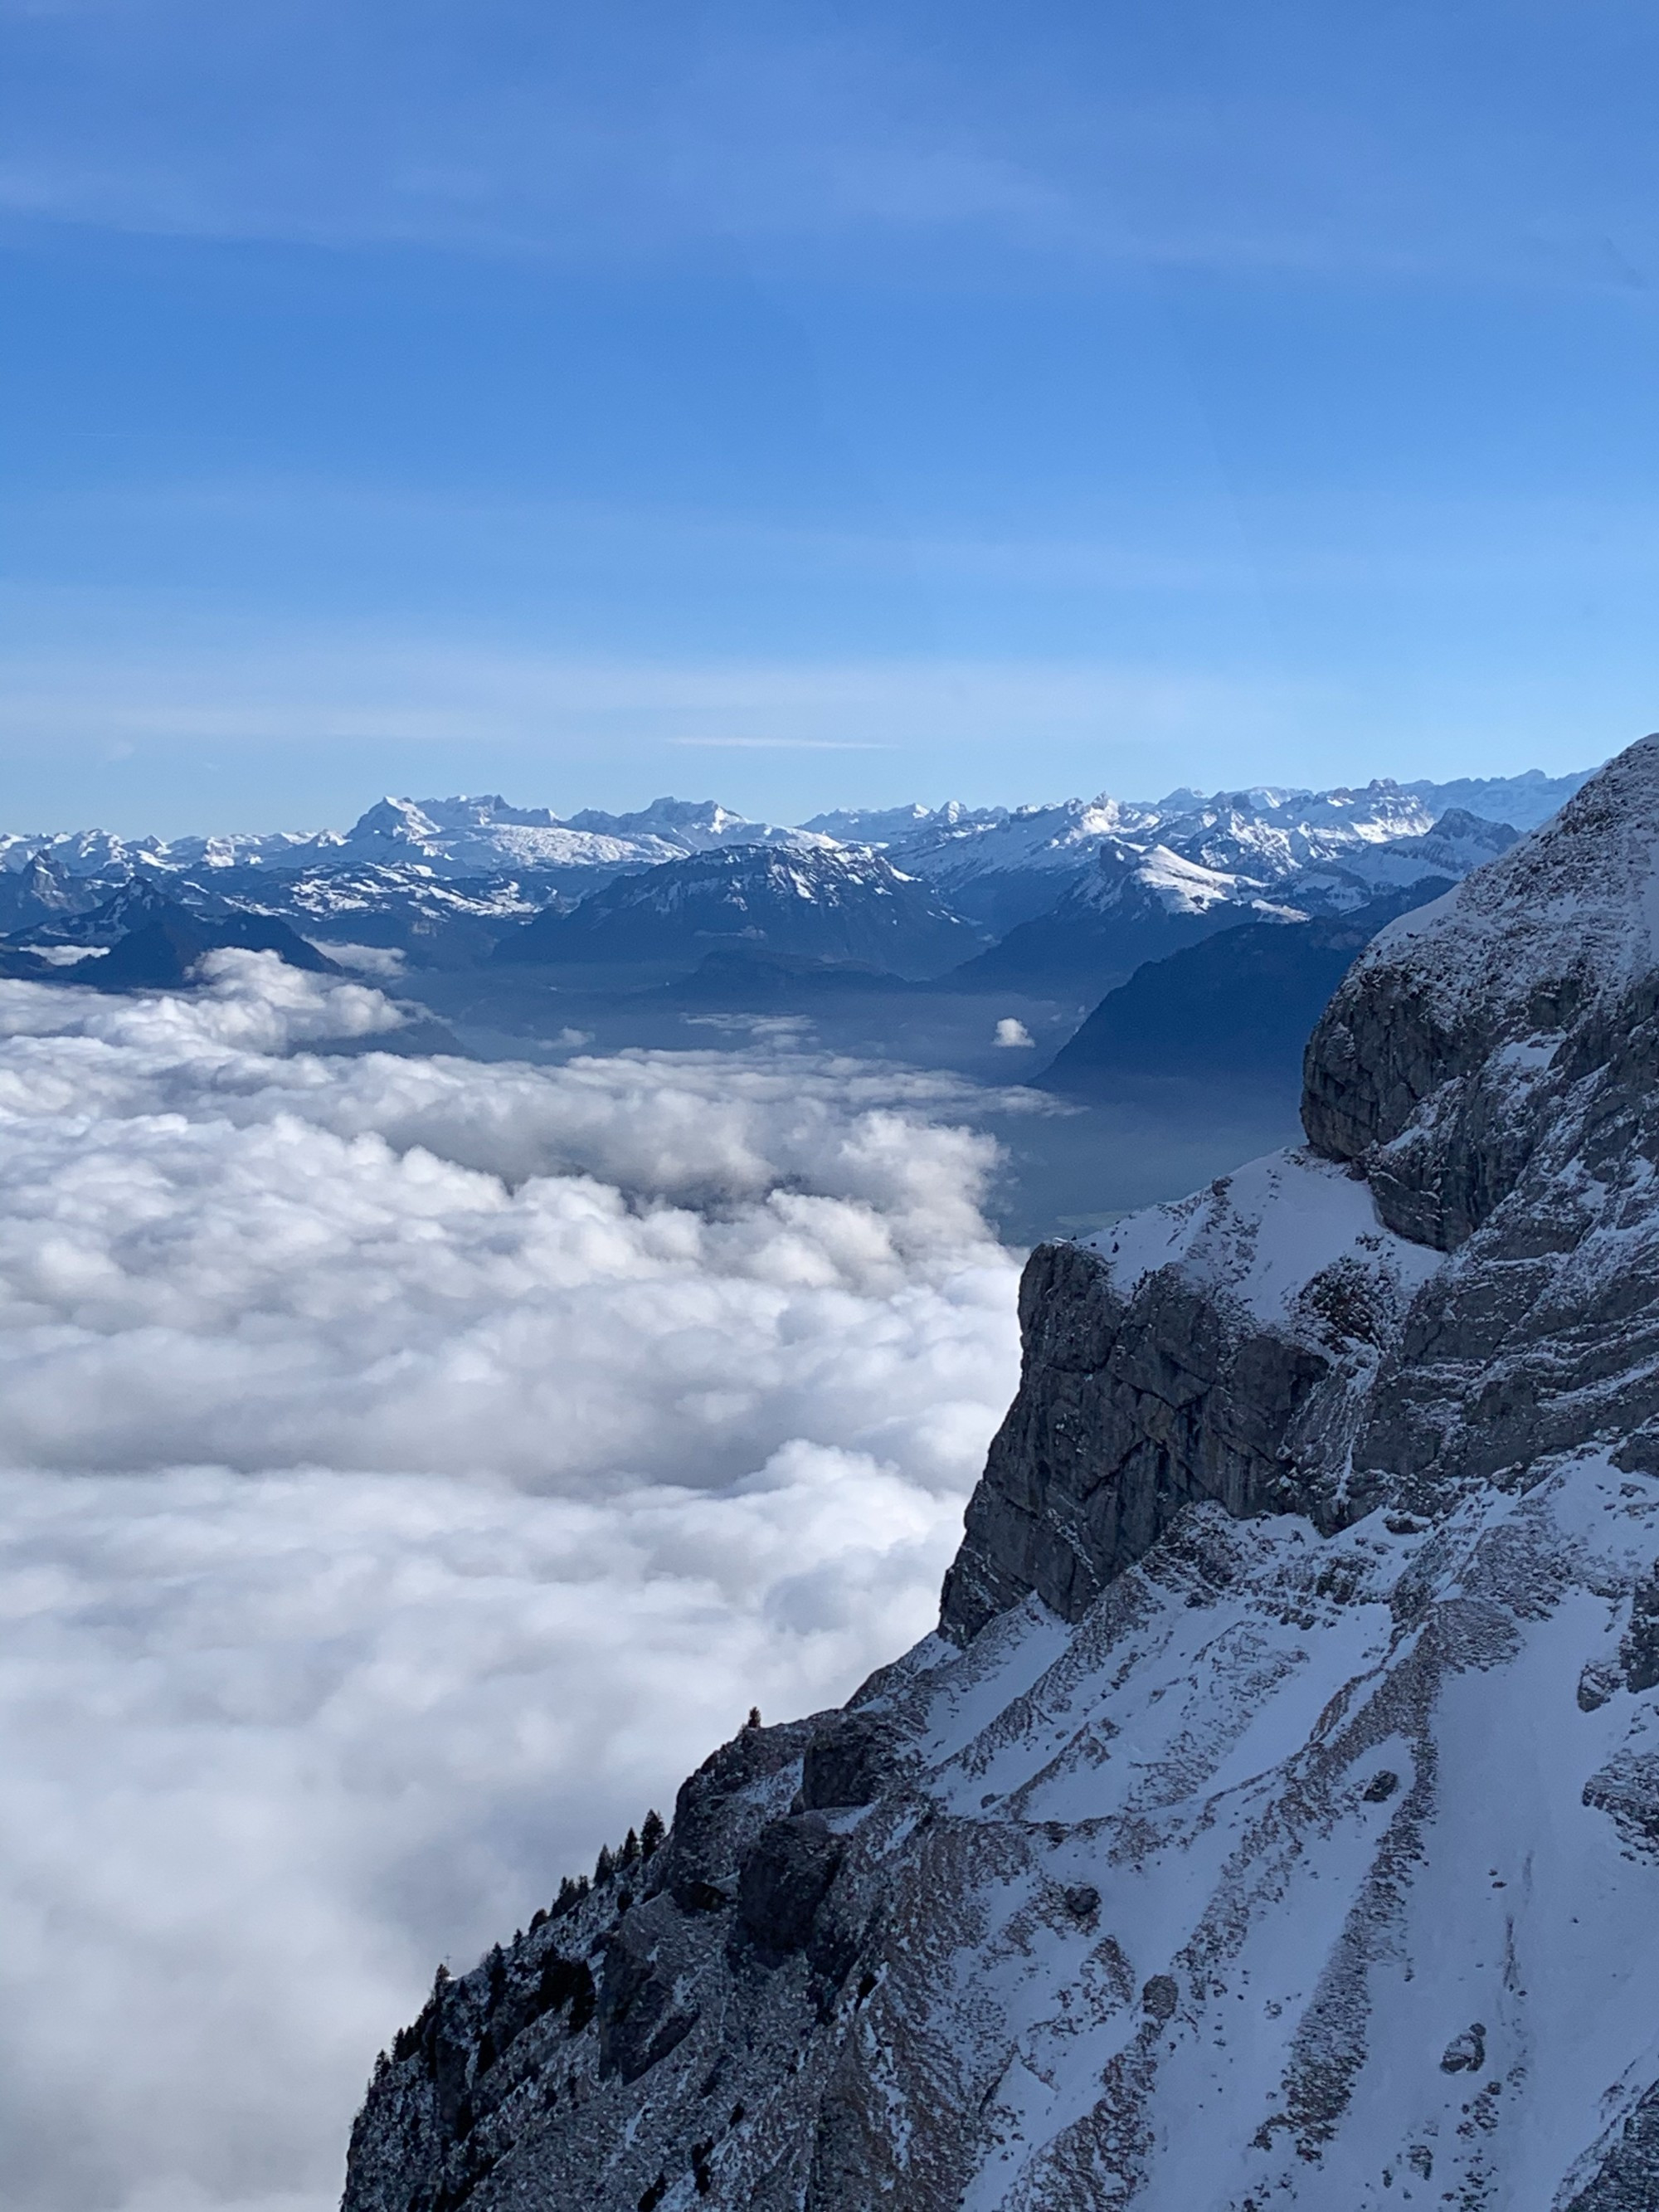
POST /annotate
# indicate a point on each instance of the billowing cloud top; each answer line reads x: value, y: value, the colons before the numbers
x: 412, y: 1467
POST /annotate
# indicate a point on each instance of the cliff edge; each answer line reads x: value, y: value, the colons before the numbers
x: 1274, y: 1818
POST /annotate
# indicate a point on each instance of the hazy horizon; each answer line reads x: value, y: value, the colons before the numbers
x: 353, y: 810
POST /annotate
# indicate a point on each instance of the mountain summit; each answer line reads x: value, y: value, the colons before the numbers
x: 1273, y: 1819
x: 840, y: 902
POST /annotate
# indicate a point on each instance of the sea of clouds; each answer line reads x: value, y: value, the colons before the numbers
x: 410, y: 1467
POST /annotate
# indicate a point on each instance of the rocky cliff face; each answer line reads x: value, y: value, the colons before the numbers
x: 1274, y: 1820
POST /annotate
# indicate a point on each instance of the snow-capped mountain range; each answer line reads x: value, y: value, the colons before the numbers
x: 452, y: 837
x: 843, y: 903
x: 435, y: 877
x: 1140, y: 902
x: 996, y: 864
x: 486, y: 837
x: 1272, y: 1820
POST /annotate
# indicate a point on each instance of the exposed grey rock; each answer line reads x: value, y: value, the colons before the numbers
x: 1159, y: 1998
x: 1466, y: 2053
x: 719, y: 1810
x: 856, y: 2028
x: 1315, y: 1568
x: 784, y: 1880
x: 1128, y: 1411
x: 1627, y: 2179
x: 1491, y: 1065
x: 849, y: 1761
x: 1596, y: 1684
x: 1627, y: 1788
x: 1413, y: 1071
x: 1639, y: 1652
x: 642, y: 2010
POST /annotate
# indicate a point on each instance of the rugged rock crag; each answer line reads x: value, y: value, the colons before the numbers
x: 1275, y: 1821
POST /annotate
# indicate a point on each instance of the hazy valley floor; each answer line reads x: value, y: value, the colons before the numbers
x: 1065, y: 1167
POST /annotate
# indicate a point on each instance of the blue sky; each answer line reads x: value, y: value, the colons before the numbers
x: 816, y: 404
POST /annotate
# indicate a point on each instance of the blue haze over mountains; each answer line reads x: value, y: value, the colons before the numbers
x: 1148, y: 967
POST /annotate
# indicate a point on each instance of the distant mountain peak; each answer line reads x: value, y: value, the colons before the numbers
x: 692, y: 824
x: 822, y: 902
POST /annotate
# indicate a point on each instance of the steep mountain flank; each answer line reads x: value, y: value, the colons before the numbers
x: 1487, y: 1064
x: 143, y: 939
x: 1145, y: 898
x: 837, y: 904
x: 163, y: 953
x: 1273, y: 1820
x: 1235, y: 1008
x: 1136, y: 904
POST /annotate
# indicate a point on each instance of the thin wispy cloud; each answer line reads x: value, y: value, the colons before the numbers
x: 785, y: 744
x: 1554, y: 536
x: 862, y: 339
x: 1295, y: 140
x: 306, y: 686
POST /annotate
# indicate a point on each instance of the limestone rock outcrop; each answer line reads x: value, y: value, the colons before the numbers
x: 1274, y: 1820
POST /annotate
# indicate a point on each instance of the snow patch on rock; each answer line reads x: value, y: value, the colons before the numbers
x: 1260, y: 1235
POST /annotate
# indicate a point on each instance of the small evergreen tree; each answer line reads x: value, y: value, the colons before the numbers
x: 603, y: 1867
x: 630, y: 1854
x: 651, y: 1833
x: 754, y: 1720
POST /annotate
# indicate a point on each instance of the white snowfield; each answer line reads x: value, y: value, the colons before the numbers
x: 1165, y: 879
x: 446, y: 837
x: 1299, y: 1900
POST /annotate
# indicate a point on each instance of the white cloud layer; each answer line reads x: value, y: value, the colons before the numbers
x: 411, y: 1468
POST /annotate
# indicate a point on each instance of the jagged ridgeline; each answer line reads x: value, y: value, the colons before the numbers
x: 1273, y: 1819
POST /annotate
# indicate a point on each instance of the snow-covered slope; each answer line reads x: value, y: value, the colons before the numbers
x: 1325, y: 851
x: 436, y: 878
x: 1458, y: 843
x: 1142, y: 903
x: 1137, y: 902
x: 696, y: 825
x: 1371, y: 812
x: 457, y: 837
x: 1007, y: 868
x: 477, y: 837
x: 833, y: 903
x: 474, y: 837
x: 1155, y: 879
x: 887, y: 825
x: 1274, y: 1821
